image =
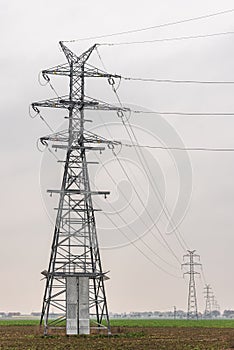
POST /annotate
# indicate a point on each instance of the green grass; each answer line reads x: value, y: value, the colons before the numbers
x: 141, y: 323
x: 19, y: 322
x: 173, y: 323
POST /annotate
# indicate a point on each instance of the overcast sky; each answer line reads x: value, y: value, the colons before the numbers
x: 30, y: 33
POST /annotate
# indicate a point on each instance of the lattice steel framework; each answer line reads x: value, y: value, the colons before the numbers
x: 208, y: 299
x: 192, y: 295
x: 75, y: 251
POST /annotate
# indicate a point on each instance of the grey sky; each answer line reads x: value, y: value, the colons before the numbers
x: 30, y: 33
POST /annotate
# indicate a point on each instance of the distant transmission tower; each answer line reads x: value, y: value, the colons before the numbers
x: 75, y: 279
x: 209, y: 299
x: 215, y: 305
x: 215, y: 308
x: 190, y: 263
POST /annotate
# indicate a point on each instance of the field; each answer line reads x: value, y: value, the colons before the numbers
x: 126, y: 335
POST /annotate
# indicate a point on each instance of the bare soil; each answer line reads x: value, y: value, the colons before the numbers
x: 123, y: 338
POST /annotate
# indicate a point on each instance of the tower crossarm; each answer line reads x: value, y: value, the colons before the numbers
x: 88, y: 103
x: 62, y: 69
x: 89, y: 138
x: 72, y: 148
x: 191, y: 273
x: 64, y: 103
x: 194, y: 263
x: 89, y: 72
x: 74, y: 191
x: 196, y: 256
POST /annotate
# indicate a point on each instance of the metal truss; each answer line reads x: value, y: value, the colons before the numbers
x: 192, y: 296
x: 75, y: 251
x: 208, y: 298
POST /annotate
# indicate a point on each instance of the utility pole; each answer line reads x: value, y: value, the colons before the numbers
x: 75, y: 278
x: 191, y: 263
x: 209, y: 298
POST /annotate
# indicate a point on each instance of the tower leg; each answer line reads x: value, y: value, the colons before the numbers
x: 71, y: 306
x: 83, y: 306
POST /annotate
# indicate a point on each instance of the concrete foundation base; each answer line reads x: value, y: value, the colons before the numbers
x: 77, y: 305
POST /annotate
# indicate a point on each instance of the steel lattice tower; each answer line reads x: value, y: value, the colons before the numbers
x: 208, y: 298
x: 75, y: 279
x: 192, y: 296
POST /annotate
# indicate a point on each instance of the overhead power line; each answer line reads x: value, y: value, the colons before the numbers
x: 157, y: 80
x: 137, y: 194
x: 138, y: 248
x: 162, y: 25
x: 154, y: 224
x: 169, y: 39
x: 205, y: 149
x: 184, y: 113
x: 180, y: 148
x: 144, y: 163
x: 156, y: 191
x: 177, y: 81
x: 150, y: 229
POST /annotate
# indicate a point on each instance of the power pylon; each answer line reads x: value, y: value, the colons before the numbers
x: 191, y: 263
x: 174, y: 312
x: 75, y: 278
x: 215, y: 305
x: 209, y: 298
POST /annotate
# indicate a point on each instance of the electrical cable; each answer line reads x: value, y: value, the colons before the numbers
x: 52, y: 88
x: 38, y: 113
x: 30, y: 114
x: 170, y: 81
x: 161, y: 112
x: 179, y: 148
x: 140, y: 250
x: 199, y: 36
x: 38, y: 148
x: 133, y: 243
x: 46, y: 123
x: 180, y: 240
x: 154, y: 224
x: 158, y: 195
x: 140, y: 199
x: 184, y: 113
x: 48, y: 81
x: 100, y: 58
x: 156, y: 80
x: 145, y: 166
x: 203, y: 276
x: 52, y: 153
x: 39, y: 80
x: 166, y: 244
x: 162, y: 25
x: 177, y: 81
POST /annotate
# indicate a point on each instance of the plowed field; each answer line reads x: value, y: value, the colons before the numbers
x: 123, y: 338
